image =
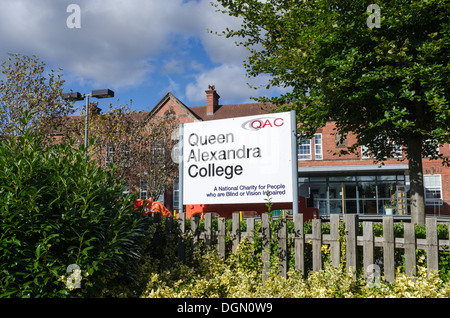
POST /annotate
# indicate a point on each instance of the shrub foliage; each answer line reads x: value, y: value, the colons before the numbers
x: 239, y: 276
x: 57, y: 209
x: 204, y: 275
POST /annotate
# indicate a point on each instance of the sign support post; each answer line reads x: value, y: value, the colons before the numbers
x: 180, y: 170
x: 294, y: 163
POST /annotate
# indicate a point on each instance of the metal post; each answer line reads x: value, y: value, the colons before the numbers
x: 180, y: 170
x: 294, y: 162
x: 74, y: 96
x: 86, y: 126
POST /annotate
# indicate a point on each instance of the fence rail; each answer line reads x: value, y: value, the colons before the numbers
x: 355, y: 244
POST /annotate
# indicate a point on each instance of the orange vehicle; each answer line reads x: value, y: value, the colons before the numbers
x: 151, y: 206
x: 226, y: 210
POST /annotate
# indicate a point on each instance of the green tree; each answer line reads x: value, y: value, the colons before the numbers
x: 26, y: 88
x: 388, y: 85
x: 138, y: 144
x: 59, y: 212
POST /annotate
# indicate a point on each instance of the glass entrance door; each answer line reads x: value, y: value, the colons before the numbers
x: 355, y: 194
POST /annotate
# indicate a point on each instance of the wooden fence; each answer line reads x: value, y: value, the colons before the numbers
x: 366, y: 242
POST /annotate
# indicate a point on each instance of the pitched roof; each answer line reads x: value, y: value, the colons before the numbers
x: 233, y: 110
x: 181, y: 106
x: 196, y: 113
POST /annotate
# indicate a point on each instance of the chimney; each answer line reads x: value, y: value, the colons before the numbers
x: 212, y: 100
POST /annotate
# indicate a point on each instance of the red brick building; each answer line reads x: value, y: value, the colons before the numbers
x: 354, y: 184
x: 349, y: 184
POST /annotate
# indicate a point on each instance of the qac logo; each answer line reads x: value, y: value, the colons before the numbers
x: 263, y: 122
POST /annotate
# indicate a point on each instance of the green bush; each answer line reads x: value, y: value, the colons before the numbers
x: 240, y: 276
x: 59, y: 209
x: 160, y: 274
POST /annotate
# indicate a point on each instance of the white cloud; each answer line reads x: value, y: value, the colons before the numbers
x: 129, y: 43
x: 219, y: 48
x: 230, y: 82
x: 117, y: 41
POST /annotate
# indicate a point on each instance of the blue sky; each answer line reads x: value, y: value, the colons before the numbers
x: 141, y: 49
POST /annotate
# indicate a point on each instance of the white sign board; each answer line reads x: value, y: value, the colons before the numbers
x: 238, y: 160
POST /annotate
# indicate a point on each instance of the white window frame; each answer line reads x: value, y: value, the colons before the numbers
x: 160, y: 198
x: 318, y: 148
x: 438, y: 150
x: 126, y: 189
x: 365, y: 154
x: 306, y: 143
x: 430, y: 186
x: 157, y: 151
x: 125, y: 153
x: 397, y: 150
x: 110, y: 151
x: 143, y: 189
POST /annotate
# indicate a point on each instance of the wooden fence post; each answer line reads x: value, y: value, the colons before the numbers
x: 208, y: 231
x: 335, y: 246
x: 195, y: 231
x: 235, y: 231
x: 317, y: 244
x: 221, y: 236
x: 388, y: 248
x: 368, y: 245
x: 410, y: 249
x: 299, y: 243
x: 432, y: 245
x: 250, y: 229
x: 282, y: 247
x: 351, y: 225
x: 265, y: 245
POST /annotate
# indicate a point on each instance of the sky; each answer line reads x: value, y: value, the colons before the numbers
x: 140, y: 49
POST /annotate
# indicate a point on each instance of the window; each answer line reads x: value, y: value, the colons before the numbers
x: 157, y: 152
x: 318, y: 147
x: 431, y: 148
x: 125, y: 154
x: 143, y: 190
x: 364, y: 194
x: 340, y: 140
x: 157, y: 191
x: 365, y: 154
x: 433, y: 189
x: 110, y: 152
x: 126, y: 189
x: 304, y: 149
x: 396, y: 150
x: 169, y: 114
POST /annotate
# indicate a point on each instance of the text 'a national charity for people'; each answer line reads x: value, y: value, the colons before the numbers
x: 248, y: 190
